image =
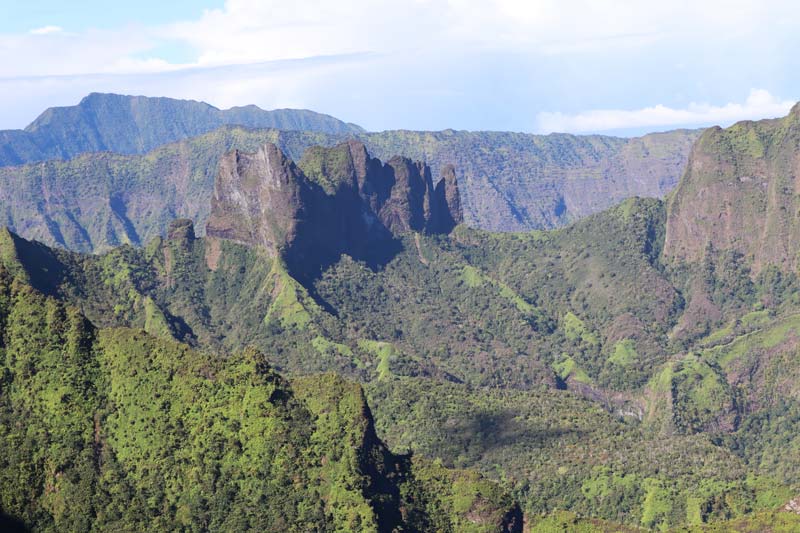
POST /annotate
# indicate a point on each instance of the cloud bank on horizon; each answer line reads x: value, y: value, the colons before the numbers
x: 759, y: 104
x: 620, y: 66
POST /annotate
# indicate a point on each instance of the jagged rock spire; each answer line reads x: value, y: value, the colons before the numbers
x: 339, y: 200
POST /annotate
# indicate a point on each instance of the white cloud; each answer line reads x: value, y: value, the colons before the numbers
x: 45, y: 30
x: 759, y: 104
x: 442, y: 39
x: 57, y: 53
x: 249, y: 31
x: 265, y: 30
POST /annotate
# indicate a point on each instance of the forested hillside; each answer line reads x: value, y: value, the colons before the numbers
x: 118, y: 430
x: 585, y: 368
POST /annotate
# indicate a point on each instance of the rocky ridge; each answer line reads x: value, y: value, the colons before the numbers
x: 740, y: 193
x: 117, y: 169
x: 137, y: 124
x: 337, y: 200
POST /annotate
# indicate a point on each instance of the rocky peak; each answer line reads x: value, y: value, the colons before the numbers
x: 342, y: 167
x: 448, y: 200
x: 181, y: 231
x: 408, y: 207
x: 399, y: 193
x: 339, y: 200
x: 259, y: 199
x: 740, y: 193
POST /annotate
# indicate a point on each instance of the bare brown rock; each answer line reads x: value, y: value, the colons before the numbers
x: 448, y: 200
x: 339, y: 200
x: 259, y: 199
x: 740, y: 192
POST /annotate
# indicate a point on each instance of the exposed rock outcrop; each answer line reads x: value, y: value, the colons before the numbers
x: 740, y: 192
x: 181, y: 231
x: 337, y: 200
x: 399, y: 194
x: 448, y: 199
x: 259, y: 199
x: 509, y: 181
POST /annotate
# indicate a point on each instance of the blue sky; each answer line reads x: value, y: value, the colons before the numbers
x: 584, y: 66
x: 82, y: 15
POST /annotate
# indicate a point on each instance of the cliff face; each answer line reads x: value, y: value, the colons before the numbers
x: 448, y: 199
x: 740, y: 192
x: 339, y: 200
x: 259, y: 199
x: 508, y: 181
x: 399, y: 194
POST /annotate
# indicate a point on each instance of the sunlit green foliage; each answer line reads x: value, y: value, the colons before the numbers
x: 117, y: 430
x: 559, y: 451
x: 463, y: 356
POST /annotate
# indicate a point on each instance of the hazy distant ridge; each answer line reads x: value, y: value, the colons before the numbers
x: 138, y: 124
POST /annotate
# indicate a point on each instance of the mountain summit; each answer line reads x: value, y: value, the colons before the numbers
x: 138, y: 124
x: 338, y: 200
x: 740, y: 193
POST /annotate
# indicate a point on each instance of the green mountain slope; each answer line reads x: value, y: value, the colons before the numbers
x: 113, y: 429
x: 467, y: 340
x: 558, y: 451
x: 584, y: 368
x: 551, y: 447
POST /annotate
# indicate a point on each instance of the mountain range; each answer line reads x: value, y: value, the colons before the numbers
x: 138, y: 124
x: 159, y: 159
x: 329, y: 344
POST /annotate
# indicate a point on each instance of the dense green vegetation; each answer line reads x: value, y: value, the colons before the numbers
x: 559, y: 451
x: 117, y: 430
x: 464, y: 355
x: 774, y: 522
x: 604, y: 384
